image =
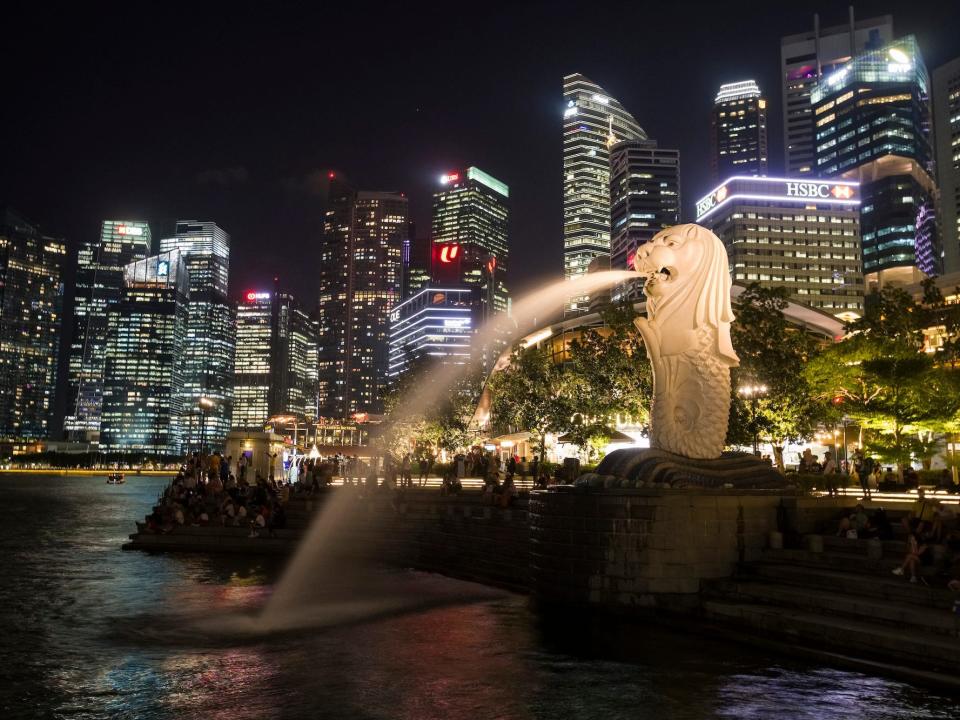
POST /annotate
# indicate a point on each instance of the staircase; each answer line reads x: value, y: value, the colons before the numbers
x: 845, y: 601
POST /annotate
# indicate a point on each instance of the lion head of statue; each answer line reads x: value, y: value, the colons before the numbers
x: 688, y: 282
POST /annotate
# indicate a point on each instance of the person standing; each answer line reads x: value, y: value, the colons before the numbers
x: 830, y: 474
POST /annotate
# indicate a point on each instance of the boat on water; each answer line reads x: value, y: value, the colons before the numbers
x: 115, y: 479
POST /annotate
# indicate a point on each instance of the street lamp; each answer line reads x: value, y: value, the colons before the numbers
x: 204, y: 404
x: 753, y: 393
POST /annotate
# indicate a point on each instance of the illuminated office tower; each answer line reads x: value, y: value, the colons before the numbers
x: 471, y: 213
x: 360, y: 281
x: 144, y: 410
x: 209, y: 349
x: 872, y: 120
x: 31, y: 305
x: 592, y: 122
x: 416, y: 266
x: 738, y: 131
x: 100, y: 267
x: 276, y: 361
x: 801, y: 234
x: 644, y: 199
x: 946, y: 133
x: 438, y: 323
x: 804, y: 58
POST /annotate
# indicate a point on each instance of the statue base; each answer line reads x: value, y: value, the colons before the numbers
x: 640, y: 468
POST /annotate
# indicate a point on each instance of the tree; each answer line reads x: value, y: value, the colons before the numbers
x: 443, y: 424
x: 884, y: 379
x: 609, y: 375
x: 772, y: 353
x: 531, y: 393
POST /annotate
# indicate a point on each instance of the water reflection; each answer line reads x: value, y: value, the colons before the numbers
x: 92, y: 632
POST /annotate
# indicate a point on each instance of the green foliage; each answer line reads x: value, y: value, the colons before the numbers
x: 441, y: 425
x: 881, y: 377
x: 531, y: 394
x: 609, y: 375
x: 772, y: 353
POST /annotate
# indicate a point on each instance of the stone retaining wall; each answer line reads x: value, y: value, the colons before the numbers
x: 617, y: 549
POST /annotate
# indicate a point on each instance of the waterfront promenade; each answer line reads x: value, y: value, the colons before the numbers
x: 824, y: 596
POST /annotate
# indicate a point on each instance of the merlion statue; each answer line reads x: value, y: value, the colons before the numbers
x: 687, y: 335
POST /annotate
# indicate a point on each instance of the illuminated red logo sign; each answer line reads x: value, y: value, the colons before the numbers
x: 449, y: 178
x: 449, y: 253
x: 842, y: 192
x: 721, y: 194
x: 252, y: 296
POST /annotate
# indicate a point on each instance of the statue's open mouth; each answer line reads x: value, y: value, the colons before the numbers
x: 663, y: 275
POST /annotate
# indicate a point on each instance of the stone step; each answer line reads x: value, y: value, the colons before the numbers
x: 889, y: 548
x: 844, y: 561
x: 758, y: 590
x: 881, y: 587
x: 856, y: 637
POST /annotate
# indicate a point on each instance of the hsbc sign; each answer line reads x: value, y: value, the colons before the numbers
x: 819, y: 190
x: 778, y: 189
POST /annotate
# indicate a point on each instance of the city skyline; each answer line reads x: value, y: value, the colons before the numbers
x: 200, y: 177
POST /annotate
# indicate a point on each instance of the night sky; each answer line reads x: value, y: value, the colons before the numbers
x: 236, y: 112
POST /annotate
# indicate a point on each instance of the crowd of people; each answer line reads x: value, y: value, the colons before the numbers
x: 213, y: 490
x: 930, y: 530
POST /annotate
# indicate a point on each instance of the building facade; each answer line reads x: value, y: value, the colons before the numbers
x: 360, y: 282
x: 644, y: 199
x: 798, y: 233
x: 738, y: 131
x: 804, y: 59
x: 99, y: 284
x: 31, y: 310
x: 593, y: 121
x: 438, y: 323
x: 276, y: 361
x: 471, y: 213
x: 946, y: 133
x: 872, y: 123
x: 211, y: 333
x: 145, y: 410
x: 416, y: 265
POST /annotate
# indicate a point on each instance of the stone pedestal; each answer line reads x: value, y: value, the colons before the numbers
x: 613, y: 549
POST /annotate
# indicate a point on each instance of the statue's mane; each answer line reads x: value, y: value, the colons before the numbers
x: 703, y: 297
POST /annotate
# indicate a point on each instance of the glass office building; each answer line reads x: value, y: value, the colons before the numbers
x: 471, y: 212
x: 644, y: 199
x: 276, y: 361
x: 798, y: 233
x: 946, y: 132
x: 593, y: 121
x: 211, y: 333
x: 360, y: 282
x: 99, y: 285
x: 144, y: 411
x: 872, y: 121
x: 805, y: 58
x: 31, y: 310
x: 738, y: 131
x: 438, y: 323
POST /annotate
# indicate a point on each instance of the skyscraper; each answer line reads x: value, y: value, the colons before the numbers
x: 416, y: 265
x: 798, y: 233
x: 804, y: 58
x: 145, y: 409
x: 100, y: 266
x: 592, y: 122
x: 31, y: 303
x: 471, y: 212
x: 738, y: 131
x: 438, y: 322
x: 359, y: 281
x: 276, y: 362
x: 946, y: 133
x: 211, y: 332
x: 872, y: 119
x: 644, y: 199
